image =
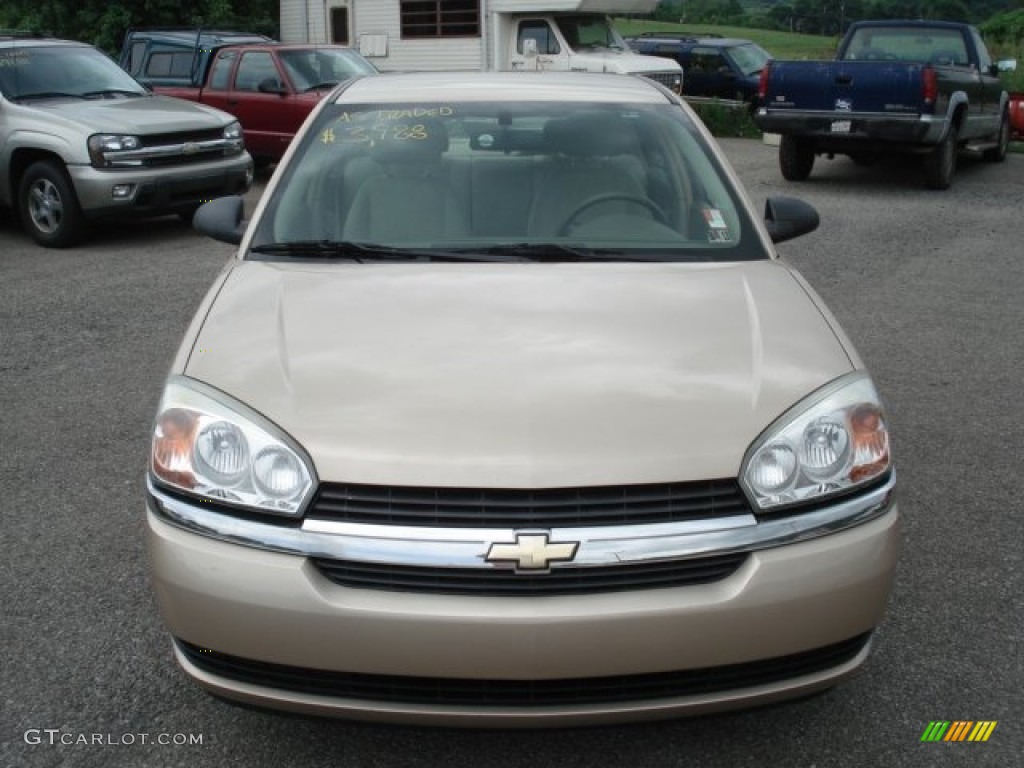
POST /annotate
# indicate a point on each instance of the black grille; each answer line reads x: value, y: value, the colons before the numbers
x: 441, y: 691
x: 198, y: 157
x: 543, y: 508
x: 180, y: 137
x: 507, y: 583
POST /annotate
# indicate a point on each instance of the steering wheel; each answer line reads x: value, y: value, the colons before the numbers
x: 586, y: 205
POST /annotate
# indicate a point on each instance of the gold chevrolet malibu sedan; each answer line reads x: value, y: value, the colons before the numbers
x: 508, y: 413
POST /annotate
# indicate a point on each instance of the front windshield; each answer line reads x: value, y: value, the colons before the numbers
x: 750, y: 58
x: 63, y: 71
x: 571, y: 180
x: 582, y: 32
x: 321, y: 67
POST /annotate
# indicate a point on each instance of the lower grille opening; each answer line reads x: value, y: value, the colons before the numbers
x: 522, y: 693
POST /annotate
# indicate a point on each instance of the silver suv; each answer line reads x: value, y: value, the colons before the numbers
x: 81, y: 140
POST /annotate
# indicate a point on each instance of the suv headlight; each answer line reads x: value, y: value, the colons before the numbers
x: 233, y: 132
x: 211, y: 447
x: 830, y: 443
x: 104, y: 147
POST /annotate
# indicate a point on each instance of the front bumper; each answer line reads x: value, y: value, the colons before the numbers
x: 160, y: 189
x: 272, y: 622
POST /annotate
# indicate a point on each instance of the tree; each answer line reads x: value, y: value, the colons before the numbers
x: 103, y: 23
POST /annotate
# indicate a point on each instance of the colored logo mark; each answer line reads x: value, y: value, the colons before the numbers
x: 959, y: 730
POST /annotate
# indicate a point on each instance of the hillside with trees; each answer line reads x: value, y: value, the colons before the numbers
x: 830, y: 17
x: 104, y: 22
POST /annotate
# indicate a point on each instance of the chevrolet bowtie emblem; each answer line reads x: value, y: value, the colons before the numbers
x: 532, y: 552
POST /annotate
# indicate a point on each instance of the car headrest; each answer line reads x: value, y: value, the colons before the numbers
x: 594, y: 134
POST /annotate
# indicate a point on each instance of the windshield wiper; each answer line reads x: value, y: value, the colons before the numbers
x: 558, y: 252
x: 49, y: 95
x: 360, y: 252
x: 318, y: 86
x: 112, y: 92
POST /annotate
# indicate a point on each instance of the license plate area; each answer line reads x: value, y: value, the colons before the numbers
x: 841, y: 126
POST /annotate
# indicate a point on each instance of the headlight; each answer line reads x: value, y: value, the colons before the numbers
x: 832, y: 442
x: 208, y: 446
x: 102, y: 146
x: 233, y: 131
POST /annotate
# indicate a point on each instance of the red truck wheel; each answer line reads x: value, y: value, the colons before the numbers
x: 796, y: 158
x: 1017, y: 115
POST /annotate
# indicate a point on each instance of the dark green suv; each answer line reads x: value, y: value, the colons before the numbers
x: 713, y: 67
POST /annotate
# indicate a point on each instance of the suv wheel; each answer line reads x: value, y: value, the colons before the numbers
x: 796, y: 158
x: 48, y: 206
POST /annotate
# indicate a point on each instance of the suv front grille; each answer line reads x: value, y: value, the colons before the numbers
x: 671, y: 80
x: 541, y: 508
x: 441, y: 691
x: 180, y: 137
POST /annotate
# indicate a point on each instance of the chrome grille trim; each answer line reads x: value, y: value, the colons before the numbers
x: 468, y: 547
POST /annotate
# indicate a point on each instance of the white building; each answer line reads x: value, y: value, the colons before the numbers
x: 428, y: 34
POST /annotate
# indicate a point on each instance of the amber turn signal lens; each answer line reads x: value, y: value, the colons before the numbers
x: 173, y: 439
x: 870, y: 442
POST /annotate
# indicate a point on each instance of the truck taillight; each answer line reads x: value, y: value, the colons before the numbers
x: 762, y: 85
x: 929, y: 85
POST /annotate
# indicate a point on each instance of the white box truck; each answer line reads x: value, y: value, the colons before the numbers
x: 454, y: 35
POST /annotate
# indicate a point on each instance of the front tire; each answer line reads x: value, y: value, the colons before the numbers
x: 940, y: 163
x: 796, y: 158
x: 998, y: 153
x: 48, y: 206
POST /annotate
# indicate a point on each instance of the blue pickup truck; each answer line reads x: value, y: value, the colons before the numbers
x: 926, y: 87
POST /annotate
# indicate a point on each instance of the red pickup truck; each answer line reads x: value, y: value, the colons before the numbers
x: 270, y: 87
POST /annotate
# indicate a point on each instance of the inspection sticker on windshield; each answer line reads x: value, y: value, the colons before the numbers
x: 718, y: 230
x: 713, y: 217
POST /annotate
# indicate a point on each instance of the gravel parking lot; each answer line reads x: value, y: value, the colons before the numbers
x: 927, y: 284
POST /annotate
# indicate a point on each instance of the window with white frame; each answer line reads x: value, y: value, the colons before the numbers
x: 440, y: 18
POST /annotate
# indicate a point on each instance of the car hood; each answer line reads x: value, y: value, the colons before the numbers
x: 498, y: 375
x: 620, y: 62
x: 144, y: 115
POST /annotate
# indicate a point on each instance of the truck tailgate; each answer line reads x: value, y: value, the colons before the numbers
x: 847, y: 86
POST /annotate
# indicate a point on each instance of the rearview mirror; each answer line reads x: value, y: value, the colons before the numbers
x: 221, y: 219
x: 788, y: 217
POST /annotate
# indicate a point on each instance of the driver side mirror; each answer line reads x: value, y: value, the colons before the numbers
x: 222, y: 219
x: 788, y: 217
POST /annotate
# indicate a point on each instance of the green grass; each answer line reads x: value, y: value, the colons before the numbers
x: 781, y: 45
